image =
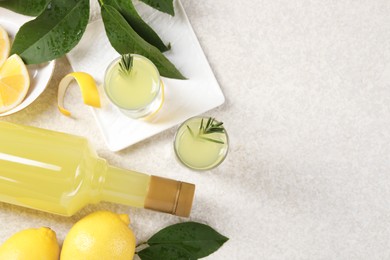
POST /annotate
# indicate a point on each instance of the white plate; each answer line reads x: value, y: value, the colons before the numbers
x: 183, y: 98
x: 40, y: 74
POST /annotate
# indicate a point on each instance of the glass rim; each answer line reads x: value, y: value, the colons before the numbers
x: 189, y: 166
x: 114, y: 62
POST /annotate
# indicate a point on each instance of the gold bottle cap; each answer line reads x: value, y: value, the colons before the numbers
x: 170, y: 196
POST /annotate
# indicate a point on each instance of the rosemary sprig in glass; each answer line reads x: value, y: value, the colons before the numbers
x: 210, y: 127
x: 126, y: 63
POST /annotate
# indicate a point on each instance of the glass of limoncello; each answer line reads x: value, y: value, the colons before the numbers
x: 201, y: 143
x: 133, y: 84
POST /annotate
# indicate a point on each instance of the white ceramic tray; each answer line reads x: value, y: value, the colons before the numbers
x: 183, y: 98
x: 40, y: 74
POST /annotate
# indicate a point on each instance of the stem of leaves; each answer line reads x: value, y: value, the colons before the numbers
x: 126, y: 63
x: 140, y: 246
x: 210, y: 127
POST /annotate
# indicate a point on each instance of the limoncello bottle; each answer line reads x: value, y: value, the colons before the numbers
x: 60, y: 173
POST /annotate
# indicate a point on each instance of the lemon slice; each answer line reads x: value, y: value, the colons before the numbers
x: 4, y: 45
x: 14, y: 83
x: 87, y: 86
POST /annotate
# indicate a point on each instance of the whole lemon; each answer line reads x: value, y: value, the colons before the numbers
x: 34, y: 243
x: 101, y: 235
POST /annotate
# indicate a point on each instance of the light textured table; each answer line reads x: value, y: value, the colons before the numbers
x: 307, y: 86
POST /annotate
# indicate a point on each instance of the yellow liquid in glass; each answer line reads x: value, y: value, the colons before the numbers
x: 136, y: 89
x: 197, y: 153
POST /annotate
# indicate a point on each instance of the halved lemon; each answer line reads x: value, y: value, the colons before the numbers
x: 14, y: 83
x: 4, y: 45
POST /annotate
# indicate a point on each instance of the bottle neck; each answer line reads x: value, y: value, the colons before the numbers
x: 145, y: 191
x: 170, y: 196
x: 124, y: 186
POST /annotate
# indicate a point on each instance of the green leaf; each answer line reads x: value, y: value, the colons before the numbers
x: 209, y: 121
x: 165, y: 6
x: 125, y: 40
x: 198, y: 239
x: 26, y: 7
x: 190, y: 130
x: 53, y: 33
x: 163, y: 252
x: 211, y: 140
x: 128, y: 11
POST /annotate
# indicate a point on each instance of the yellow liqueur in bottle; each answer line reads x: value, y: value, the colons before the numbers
x: 201, y: 143
x: 132, y: 83
x: 60, y: 173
